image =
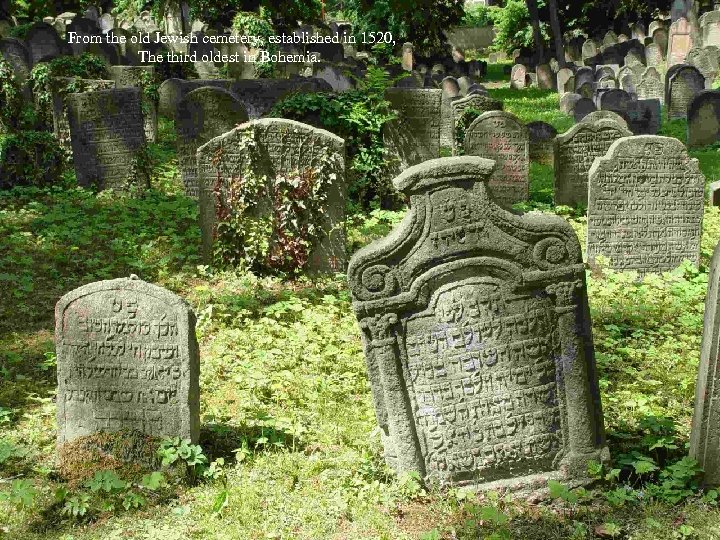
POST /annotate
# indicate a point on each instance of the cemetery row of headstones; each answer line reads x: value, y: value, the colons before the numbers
x: 475, y: 321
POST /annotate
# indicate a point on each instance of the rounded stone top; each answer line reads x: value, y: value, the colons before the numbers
x: 437, y: 172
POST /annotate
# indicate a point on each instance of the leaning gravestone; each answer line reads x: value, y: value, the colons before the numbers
x: 575, y: 151
x: 646, y: 201
x: 127, y: 359
x: 203, y: 114
x: 274, y: 153
x: 680, y: 42
x: 476, y: 330
x: 684, y: 84
x: 704, y: 119
x: 414, y: 136
x: 139, y: 77
x: 705, y: 434
x: 108, y: 138
x: 503, y: 137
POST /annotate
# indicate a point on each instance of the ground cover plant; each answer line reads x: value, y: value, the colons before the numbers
x: 289, y: 446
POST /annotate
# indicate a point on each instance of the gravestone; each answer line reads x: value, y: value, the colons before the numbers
x: 85, y: 29
x: 596, y: 116
x: 502, y: 137
x: 451, y: 92
x: 202, y: 115
x: 575, y: 151
x: 464, y: 84
x: 706, y: 63
x: 108, y: 137
x: 583, y: 107
x: 606, y: 71
x: 407, y: 56
x: 684, y: 84
x: 587, y: 90
x: 280, y: 149
x: 18, y: 56
x: 645, y: 116
x: 565, y: 81
x: 714, y: 192
x: 541, y: 136
x: 628, y: 84
x: 519, y: 77
x: 710, y: 28
x: 545, y: 77
x: 610, y: 38
x: 679, y: 42
x: 617, y: 101
x: 414, y: 136
x: 704, y: 438
x: 44, y: 43
x: 438, y: 341
x: 478, y: 102
x: 645, y: 210
x: 589, y: 49
x: 204, y: 53
x: 568, y: 102
x: 651, y: 86
x: 607, y: 83
x: 704, y: 119
x: 653, y: 55
x: 127, y: 359
x: 139, y: 77
x: 59, y: 88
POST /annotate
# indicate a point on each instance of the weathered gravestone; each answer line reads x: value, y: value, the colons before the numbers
x: 596, y: 116
x: 710, y: 28
x: 268, y: 155
x: 705, y: 434
x: 565, y: 81
x: 407, y: 56
x: 645, y: 210
x: 477, y: 102
x: 84, y: 30
x: 202, y: 115
x: 683, y: 85
x: 18, y: 56
x: 575, y: 151
x: 127, y: 359
x: 477, y: 337
x: 645, y: 116
x: 584, y: 75
x: 583, y: 107
x: 44, y: 43
x: 653, y: 55
x: 589, y: 49
x: 651, y: 86
x: 661, y: 39
x: 617, y: 101
x: 541, y: 136
x: 414, y: 136
x: 519, y: 76
x: 59, y: 88
x: 139, y: 77
x: 704, y: 119
x: 108, y: 138
x: 610, y: 38
x: 502, y: 137
x: 451, y: 92
x: 680, y: 42
x: 545, y: 77
x: 568, y: 102
x: 706, y: 62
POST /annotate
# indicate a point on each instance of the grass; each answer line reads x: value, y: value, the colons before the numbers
x: 285, y: 400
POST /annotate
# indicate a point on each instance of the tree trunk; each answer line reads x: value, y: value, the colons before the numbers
x: 557, y: 32
x: 537, y: 34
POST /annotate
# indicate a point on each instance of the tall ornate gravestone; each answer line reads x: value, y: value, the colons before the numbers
x: 414, y: 136
x: 203, y: 114
x: 680, y: 42
x: 504, y: 138
x: 704, y: 119
x: 705, y: 436
x: 268, y: 155
x: 108, y: 138
x: 575, y: 151
x: 683, y: 85
x: 127, y: 359
x: 139, y: 77
x: 646, y: 201
x: 477, y: 337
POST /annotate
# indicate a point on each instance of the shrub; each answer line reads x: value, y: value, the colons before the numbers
x: 477, y: 15
x: 10, y: 98
x: 358, y: 116
x: 30, y: 158
x: 252, y: 24
x: 513, y: 28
